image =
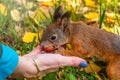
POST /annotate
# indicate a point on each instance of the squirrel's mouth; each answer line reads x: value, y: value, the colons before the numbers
x: 55, y: 48
x: 61, y: 47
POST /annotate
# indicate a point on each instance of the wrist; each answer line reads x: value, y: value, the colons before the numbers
x: 26, y: 68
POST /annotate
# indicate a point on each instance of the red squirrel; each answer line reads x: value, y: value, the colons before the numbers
x: 84, y: 40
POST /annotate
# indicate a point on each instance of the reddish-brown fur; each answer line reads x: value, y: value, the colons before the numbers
x: 94, y: 42
x: 89, y: 41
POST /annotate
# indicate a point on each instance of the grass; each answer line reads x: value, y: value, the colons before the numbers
x: 102, y: 13
x: 13, y: 37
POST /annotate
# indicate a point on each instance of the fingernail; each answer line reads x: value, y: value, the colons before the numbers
x: 83, y: 64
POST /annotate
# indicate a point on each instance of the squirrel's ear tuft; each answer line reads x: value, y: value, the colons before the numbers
x: 58, y: 13
x: 66, y: 15
x: 65, y: 20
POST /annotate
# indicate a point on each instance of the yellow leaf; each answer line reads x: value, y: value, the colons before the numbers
x: 92, y: 67
x: 47, y: 3
x: 77, y: 1
x: 115, y: 29
x: 29, y: 36
x: 92, y: 16
x: 98, y: 77
x: 40, y: 33
x: 74, y: 3
x: 107, y: 29
x: 68, y: 47
x: 68, y: 8
x: 90, y: 3
x: 110, y: 20
x: 39, y: 15
x: 3, y: 10
x: 18, y: 51
x: 44, y: 0
x: 110, y: 2
x: 111, y: 17
x: 16, y: 16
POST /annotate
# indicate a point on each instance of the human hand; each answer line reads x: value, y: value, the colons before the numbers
x: 34, y: 64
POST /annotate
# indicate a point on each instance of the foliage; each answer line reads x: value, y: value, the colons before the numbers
x: 22, y: 24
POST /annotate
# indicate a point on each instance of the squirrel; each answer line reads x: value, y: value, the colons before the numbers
x: 84, y: 40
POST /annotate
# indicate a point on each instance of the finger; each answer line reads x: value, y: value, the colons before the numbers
x: 57, y: 60
x: 71, y: 61
x: 47, y: 61
x: 37, y: 50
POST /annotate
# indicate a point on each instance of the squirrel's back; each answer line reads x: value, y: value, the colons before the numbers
x: 94, y: 40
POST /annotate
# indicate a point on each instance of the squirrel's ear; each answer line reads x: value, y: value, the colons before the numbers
x: 58, y: 13
x: 65, y: 20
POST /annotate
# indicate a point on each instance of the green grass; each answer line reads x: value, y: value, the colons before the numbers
x: 102, y: 13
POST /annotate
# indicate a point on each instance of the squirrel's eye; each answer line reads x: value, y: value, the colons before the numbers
x: 53, y: 37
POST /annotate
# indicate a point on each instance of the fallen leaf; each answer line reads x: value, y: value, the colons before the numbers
x: 50, y: 3
x: 115, y: 29
x: 29, y: 36
x: 74, y: 3
x: 92, y: 68
x: 3, y: 9
x: 109, y: 29
x: 98, y: 77
x: 18, y: 51
x: 92, y: 16
x: 16, y: 16
x: 44, y: 0
x: 68, y: 47
x: 90, y: 3
x: 21, y: 2
x: 41, y: 13
x: 29, y: 5
x: 40, y: 33
x: 111, y: 17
